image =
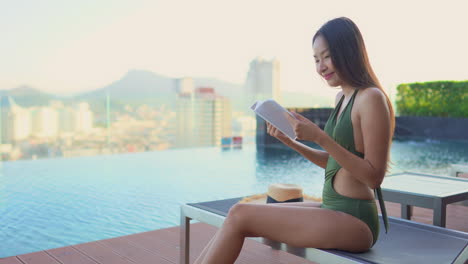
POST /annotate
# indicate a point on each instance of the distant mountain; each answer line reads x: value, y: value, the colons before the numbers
x: 28, y: 96
x: 134, y: 88
x: 136, y: 84
x: 144, y: 84
x: 139, y: 86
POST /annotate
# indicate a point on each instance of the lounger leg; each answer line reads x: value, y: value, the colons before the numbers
x: 439, y: 213
x: 406, y: 211
x: 296, y: 251
x: 273, y: 244
x: 184, y: 238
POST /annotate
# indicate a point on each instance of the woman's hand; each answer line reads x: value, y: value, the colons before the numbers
x: 274, y: 132
x: 304, y: 128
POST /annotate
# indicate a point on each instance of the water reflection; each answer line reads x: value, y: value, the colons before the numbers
x: 280, y: 164
x: 2, y: 189
x: 429, y: 156
x: 416, y: 155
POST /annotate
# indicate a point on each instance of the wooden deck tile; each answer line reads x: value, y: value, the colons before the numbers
x: 40, y: 257
x: 10, y: 260
x: 70, y: 255
x: 154, y: 240
x: 137, y: 254
x: 151, y: 242
x: 101, y: 253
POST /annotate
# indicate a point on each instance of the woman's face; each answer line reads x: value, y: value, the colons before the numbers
x: 323, y: 62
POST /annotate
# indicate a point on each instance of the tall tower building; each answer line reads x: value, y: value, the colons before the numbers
x: 44, y: 122
x: 203, y: 118
x: 184, y: 85
x: 263, y: 81
x: 22, y: 124
x: 66, y: 120
x: 15, y: 121
x: 76, y: 118
x: 84, y: 118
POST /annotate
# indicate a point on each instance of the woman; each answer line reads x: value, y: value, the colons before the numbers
x: 356, y: 143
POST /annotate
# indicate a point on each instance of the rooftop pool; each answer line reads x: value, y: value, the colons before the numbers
x: 52, y: 203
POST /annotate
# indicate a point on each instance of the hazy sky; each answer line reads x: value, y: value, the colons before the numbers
x: 66, y: 46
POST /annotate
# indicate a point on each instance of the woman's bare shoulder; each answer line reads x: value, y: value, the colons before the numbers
x: 371, y: 94
x: 371, y: 97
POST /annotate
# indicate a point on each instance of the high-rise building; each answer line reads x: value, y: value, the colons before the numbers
x: 18, y: 123
x: 263, y: 81
x: 15, y: 121
x: 44, y: 122
x: 184, y: 85
x: 66, y: 120
x: 71, y: 119
x: 84, y: 118
x: 66, y: 117
x: 203, y: 118
x: 22, y: 124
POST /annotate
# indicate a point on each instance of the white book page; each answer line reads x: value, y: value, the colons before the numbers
x: 273, y: 113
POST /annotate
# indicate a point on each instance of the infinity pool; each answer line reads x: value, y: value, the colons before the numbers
x: 56, y: 202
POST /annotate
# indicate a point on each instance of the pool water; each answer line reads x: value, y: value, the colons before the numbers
x: 57, y: 202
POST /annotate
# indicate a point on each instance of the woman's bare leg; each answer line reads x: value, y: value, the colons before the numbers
x: 275, y: 244
x: 300, y: 204
x: 305, y: 227
x: 207, y: 247
x: 226, y: 246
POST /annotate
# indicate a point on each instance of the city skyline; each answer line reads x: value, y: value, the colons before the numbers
x: 66, y: 47
x: 201, y: 117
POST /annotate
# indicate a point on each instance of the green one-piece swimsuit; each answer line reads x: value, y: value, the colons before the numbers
x: 340, y: 128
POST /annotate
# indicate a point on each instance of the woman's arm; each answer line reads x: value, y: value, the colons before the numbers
x: 375, y: 126
x: 318, y: 157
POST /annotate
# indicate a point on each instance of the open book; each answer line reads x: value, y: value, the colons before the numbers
x: 273, y: 113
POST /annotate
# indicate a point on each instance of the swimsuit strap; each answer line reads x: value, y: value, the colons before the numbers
x: 351, y: 101
x: 378, y: 191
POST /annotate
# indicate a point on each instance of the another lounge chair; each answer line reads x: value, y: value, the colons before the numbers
x: 406, y: 241
x: 459, y: 170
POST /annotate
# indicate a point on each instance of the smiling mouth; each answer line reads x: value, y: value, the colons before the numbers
x: 328, y: 76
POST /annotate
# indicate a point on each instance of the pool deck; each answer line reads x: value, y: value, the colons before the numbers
x: 162, y: 246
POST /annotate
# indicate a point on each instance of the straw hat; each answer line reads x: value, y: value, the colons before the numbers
x: 281, y: 193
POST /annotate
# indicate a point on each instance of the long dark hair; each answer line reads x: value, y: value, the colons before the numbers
x: 349, y: 56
